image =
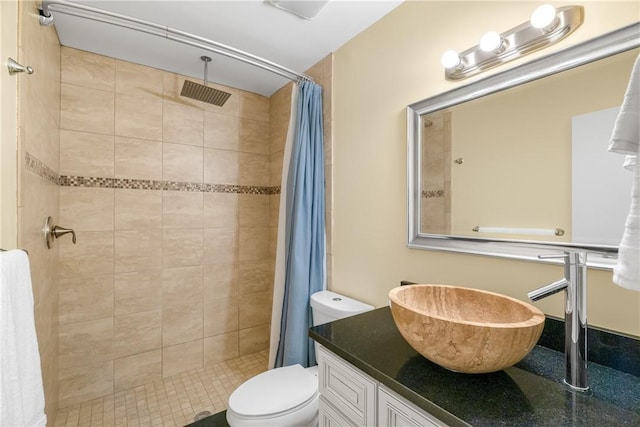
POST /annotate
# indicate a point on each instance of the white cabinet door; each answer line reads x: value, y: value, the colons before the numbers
x: 350, y: 391
x: 395, y: 411
x: 331, y: 417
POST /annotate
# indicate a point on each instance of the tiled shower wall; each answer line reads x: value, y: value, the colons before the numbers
x: 38, y: 142
x: 170, y: 201
x: 436, y: 174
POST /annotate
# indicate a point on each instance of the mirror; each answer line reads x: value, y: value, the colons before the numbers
x: 516, y: 165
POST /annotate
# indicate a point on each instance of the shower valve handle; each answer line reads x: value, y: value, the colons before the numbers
x: 58, y: 232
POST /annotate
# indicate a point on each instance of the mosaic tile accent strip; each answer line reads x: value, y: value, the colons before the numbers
x: 38, y: 167
x: 432, y: 194
x: 33, y: 164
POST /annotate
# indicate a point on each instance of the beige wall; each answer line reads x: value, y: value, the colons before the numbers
x: 388, y: 66
x: 39, y: 117
x: 170, y: 201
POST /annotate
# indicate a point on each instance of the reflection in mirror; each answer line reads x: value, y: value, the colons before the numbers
x: 530, y: 162
x: 516, y: 164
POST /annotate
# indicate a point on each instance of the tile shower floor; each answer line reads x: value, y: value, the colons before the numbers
x: 174, y: 401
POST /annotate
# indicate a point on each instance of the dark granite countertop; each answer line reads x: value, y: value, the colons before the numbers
x: 528, y: 394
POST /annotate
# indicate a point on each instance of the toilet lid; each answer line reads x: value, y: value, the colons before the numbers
x: 274, y: 391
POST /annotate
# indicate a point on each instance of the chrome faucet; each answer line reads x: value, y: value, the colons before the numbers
x: 574, y: 284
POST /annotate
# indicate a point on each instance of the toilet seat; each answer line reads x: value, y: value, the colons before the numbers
x: 282, y: 396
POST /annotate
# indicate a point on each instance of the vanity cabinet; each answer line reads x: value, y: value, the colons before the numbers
x: 349, y: 397
x: 346, y: 390
x: 395, y: 411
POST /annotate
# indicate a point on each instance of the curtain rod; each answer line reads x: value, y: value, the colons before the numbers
x: 148, y: 27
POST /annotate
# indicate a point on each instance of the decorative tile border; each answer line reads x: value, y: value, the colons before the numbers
x: 33, y: 164
x: 432, y: 194
x: 36, y: 166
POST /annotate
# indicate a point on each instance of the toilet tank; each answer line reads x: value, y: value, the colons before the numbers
x: 327, y: 306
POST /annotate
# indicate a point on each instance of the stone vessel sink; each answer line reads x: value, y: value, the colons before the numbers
x: 463, y: 329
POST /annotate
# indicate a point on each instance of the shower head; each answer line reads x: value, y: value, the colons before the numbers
x: 203, y: 92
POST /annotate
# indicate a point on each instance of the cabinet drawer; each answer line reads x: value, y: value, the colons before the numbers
x: 349, y: 390
x: 329, y: 416
x: 395, y: 411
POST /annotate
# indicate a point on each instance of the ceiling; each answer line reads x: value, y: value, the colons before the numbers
x: 253, y: 26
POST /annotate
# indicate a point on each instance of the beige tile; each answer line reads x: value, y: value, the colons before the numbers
x: 138, y: 159
x: 273, y: 242
x: 254, y: 106
x: 221, y: 245
x: 220, y: 210
x: 255, y: 276
x: 220, y: 348
x: 221, y: 131
x: 253, y: 169
x: 181, y: 323
x: 182, y: 357
x: 138, y: 250
x: 220, y: 166
x: 138, y: 209
x: 254, y: 136
x: 254, y: 210
x: 86, y: 69
x: 46, y: 322
x: 254, y: 339
x: 220, y: 316
x: 87, y: 110
x: 182, y: 209
x: 254, y: 309
x: 181, y: 285
x: 85, y: 298
x: 220, y: 281
x: 137, y: 369
x: 137, y: 117
x: 86, y: 154
x: 137, y: 333
x: 85, y: 343
x: 181, y: 248
x: 139, y: 81
x: 275, y: 169
x: 80, y: 384
x: 86, y: 209
x: 137, y: 291
x: 93, y: 254
x: 182, y: 124
x: 182, y: 163
x: 274, y: 209
x: 253, y: 243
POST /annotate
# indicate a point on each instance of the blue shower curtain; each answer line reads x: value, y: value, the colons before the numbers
x: 305, y: 230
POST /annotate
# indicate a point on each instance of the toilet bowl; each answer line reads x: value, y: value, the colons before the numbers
x: 288, y: 396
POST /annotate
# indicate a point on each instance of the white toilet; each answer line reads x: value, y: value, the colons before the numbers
x: 288, y: 396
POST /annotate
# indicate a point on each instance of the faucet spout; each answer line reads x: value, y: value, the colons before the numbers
x: 550, y: 289
x: 574, y: 284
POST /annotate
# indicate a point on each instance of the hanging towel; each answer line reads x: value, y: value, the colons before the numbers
x: 625, y: 139
x: 21, y: 392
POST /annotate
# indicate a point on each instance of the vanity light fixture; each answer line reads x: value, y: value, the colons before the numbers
x: 547, y: 26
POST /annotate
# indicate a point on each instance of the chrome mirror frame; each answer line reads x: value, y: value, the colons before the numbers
x: 599, y: 256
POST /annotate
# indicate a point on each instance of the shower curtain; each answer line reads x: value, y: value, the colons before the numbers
x: 300, y: 256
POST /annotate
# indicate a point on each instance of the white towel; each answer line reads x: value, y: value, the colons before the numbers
x: 625, y: 139
x: 21, y: 391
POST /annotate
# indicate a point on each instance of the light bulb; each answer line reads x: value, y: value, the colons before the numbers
x: 491, y: 42
x: 451, y: 59
x: 544, y: 17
